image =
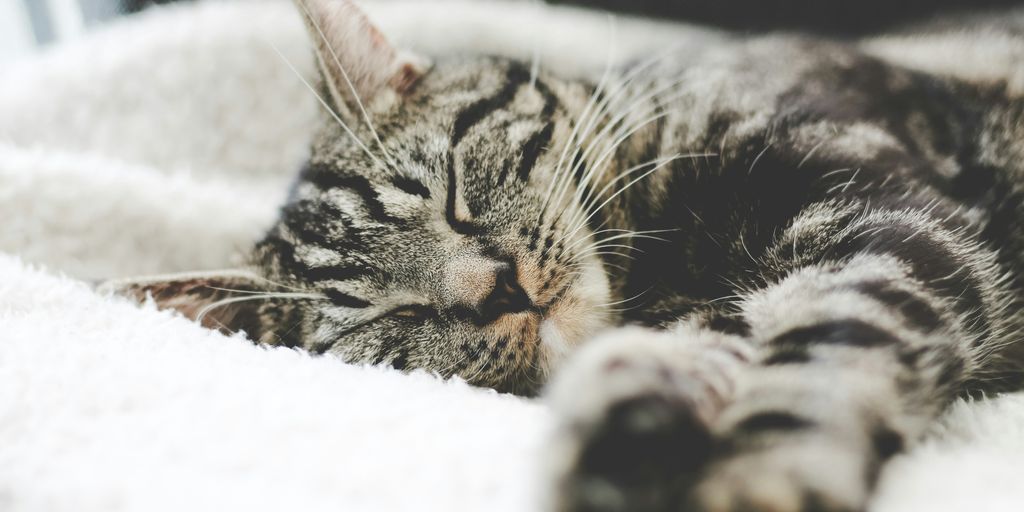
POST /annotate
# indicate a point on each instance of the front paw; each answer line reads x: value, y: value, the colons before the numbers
x: 803, y: 475
x: 636, y: 408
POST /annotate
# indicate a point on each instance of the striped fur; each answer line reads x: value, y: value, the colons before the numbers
x: 822, y: 250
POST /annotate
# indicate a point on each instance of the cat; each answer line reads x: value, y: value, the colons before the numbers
x: 745, y: 275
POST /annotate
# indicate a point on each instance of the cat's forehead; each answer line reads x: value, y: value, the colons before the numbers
x: 382, y: 191
x: 478, y: 89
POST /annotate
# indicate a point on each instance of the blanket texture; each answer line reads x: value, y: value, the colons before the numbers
x: 164, y: 144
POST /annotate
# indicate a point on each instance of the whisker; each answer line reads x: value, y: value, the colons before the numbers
x: 630, y: 299
x: 591, y: 102
x: 348, y: 82
x: 326, y: 106
x: 592, y: 198
x: 616, y: 194
x: 232, y: 300
x: 605, y: 133
x: 535, y: 58
x: 625, y: 233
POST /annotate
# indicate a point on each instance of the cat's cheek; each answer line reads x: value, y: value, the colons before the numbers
x: 578, y: 316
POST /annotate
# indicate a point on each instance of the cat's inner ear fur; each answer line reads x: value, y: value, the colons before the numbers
x: 228, y: 301
x: 356, y: 60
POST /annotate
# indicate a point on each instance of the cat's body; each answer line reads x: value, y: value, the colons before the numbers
x: 823, y: 248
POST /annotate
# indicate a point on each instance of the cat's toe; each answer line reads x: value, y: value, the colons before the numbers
x: 638, y: 458
x: 815, y: 477
x: 635, y: 412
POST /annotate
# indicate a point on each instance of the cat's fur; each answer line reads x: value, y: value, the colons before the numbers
x: 817, y: 251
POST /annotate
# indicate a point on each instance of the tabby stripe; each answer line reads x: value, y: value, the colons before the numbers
x: 306, y: 233
x: 401, y: 360
x: 532, y: 150
x: 789, y: 355
x: 952, y: 372
x: 932, y: 262
x: 840, y: 332
x: 306, y: 224
x: 345, y: 300
x: 385, y: 349
x: 285, y: 252
x: 411, y: 186
x: 886, y: 442
x: 336, y: 273
x: 729, y: 324
x: 771, y: 421
x: 327, y: 179
x: 459, y: 226
x: 550, y: 100
x: 515, y: 77
x: 913, y: 308
x: 310, y: 221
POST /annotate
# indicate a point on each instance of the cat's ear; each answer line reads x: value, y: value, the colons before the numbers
x: 356, y: 60
x: 218, y: 300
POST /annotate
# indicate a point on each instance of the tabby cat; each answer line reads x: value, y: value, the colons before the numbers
x: 755, y: 271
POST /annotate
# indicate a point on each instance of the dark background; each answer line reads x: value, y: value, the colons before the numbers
x: 137, y: 5
x: 829, y: 16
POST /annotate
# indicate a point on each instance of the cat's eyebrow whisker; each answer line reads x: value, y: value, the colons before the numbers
x: 326, y: 106
x: 624, y: 233
x: 577, y: 240
x: 563, y: 174
x: 591, y: 102
x: 600, y: 167
x: 265, y: 296
x: 599, y: 232
x: 604, y: 107
x: 616, y: 194
x: 351, y: 87
x: 603, y: 242
x: 593, y: 197
x: 606, y: 133
x: 610, y: 140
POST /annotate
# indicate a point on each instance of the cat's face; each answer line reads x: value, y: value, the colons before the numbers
x: 440, y: 229
x: 434, y: 245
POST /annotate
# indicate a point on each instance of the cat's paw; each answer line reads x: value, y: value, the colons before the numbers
x: 635, y: 409
x: 809, y: 475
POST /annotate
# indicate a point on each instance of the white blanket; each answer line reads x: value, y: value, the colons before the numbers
x: 164, y: 144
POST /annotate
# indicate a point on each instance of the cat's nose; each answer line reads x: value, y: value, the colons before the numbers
x: 508, y: 296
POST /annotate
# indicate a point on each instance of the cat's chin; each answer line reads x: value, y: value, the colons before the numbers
x: 579, y: 314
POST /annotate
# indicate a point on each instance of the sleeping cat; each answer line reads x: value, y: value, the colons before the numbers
x: 752, y: 272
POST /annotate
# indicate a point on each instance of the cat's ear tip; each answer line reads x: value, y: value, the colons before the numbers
x: 411, y: 67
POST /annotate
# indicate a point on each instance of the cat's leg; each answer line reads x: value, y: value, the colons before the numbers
x: 636, y: 408
x: 862, y: 328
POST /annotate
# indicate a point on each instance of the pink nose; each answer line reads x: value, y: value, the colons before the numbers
x: 484, y: 289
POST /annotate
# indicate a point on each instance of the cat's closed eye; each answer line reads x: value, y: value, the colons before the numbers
x: 413, y: 312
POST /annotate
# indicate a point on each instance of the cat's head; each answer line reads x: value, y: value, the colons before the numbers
x: 437, y: 224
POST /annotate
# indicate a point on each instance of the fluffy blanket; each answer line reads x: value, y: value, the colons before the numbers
x: 164, y: 143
